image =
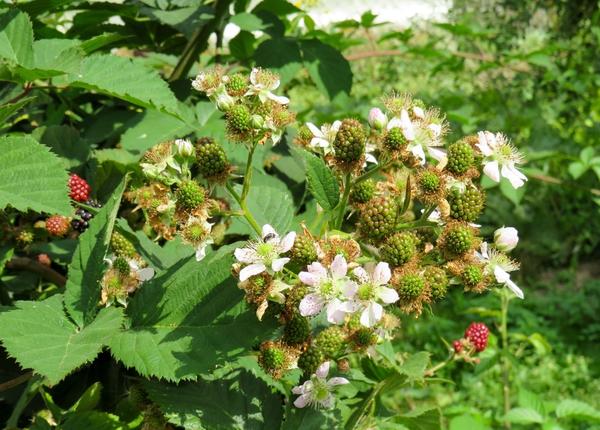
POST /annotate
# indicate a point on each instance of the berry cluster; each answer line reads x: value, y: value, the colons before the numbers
x: 475, y: 340
x: 79, y: 188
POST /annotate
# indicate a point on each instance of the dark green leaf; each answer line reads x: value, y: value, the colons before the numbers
x: 327, y: 67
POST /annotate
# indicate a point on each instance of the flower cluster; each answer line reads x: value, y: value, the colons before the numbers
x: 253, y: 112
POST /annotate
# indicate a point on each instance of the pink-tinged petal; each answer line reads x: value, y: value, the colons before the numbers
x: 145, y: 274
x: 349, y: 289
x: 302, y: 401
x: 514, y: 176
x: 310, y: 305
x: 337, y: 381
x: 277, y: 264
x: 245, y: 255
x: 407, y: 126
x: 388, y: 295
x: 323, y: 370
x: 328, y: 402
x: 362, y: 275
x: 287, y: 242
x: 515, y: 289
x: 339, y: 267
x: 282, y: 100
x: 315, y: 130
x: 372, y: 313
x: 335, y: 315
x: 501, y: 275
x: 309, y: 278
x: 267, y: 230
x: 382, y: 273
x: 317, y: 269
x: 492, y: 171
x: 418, y: 152
x: 349, y: 306
x: 251, y: 270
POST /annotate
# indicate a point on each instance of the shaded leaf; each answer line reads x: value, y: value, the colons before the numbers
x: 321, y: 182
x: 327, y: 67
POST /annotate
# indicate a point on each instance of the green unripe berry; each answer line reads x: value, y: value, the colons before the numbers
x: 466, y: 206
x: 377, y: 220
x: 399, y: 248
x: 410, y: 286
x: 272, y: 358
x: 121, y: 246
x: 212, y: 160
x: 363, y: 191
x: 330, y: 342
x: 429, y: 182
x: 190, y: 195
x: 238, y: 120
x: 460, y: 157
x: 438, y: 281
x: 471, y: 276
x: 296, y: 331
x: 310, y: 360
x: 364, y: 337
x: 237, y: 85
x: 459, y: 240
x: 122, y: 266
x: 303, y: 252
x: 394, y: 139
x: 350, y: 141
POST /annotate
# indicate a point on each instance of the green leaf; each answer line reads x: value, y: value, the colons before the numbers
x: 248, y: 22
x: 321, y: 182
x: 268, y: 205
x: 530, y: 400
x: 280, y: 55
x: 32, y: 177
x: 327, y: 67
x: 82, y: 292
x: 66, y: 142
x: 188, y: 321
x: 463, y: 422
x: 16, y: 38
x: 515, y: 195
x: 577, y: 409
x: 53, y: 57
x: 587, y: 154
x: 92, y: 420
x: 7, y: 110
x: 524, y: 416
x: 89, y: 399
x: 127, y: 79
x: 40, y: 336
x: 419, y: 419
x: 577, y: 169
x: 241, y: 403
x: 414, y: 366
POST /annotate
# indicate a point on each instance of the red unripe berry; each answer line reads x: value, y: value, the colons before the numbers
x: 477, y: 334
x: 80, y: 189
x: 44, y: 259
x: 57, y: 225
x: 457, y: 345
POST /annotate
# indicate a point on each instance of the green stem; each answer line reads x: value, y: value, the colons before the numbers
x: 371, y: 172
x: 344, y: 202
x: 248, y: 172
x: 246, y: 213
x: 505, y: 354
x: 27, y: 395
x: 431, y: 371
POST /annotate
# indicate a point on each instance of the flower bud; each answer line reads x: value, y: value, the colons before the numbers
x: 257, y: 121
x: 224, y: 101
x: 506, y: 238
x: 184, y: 147
x: 377, y: 119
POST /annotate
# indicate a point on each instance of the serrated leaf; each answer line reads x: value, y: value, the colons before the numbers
x: 7, y: 110
x: 414, y: 366
x: 40, y: 336
x: 82, y: 292
x: 570, y: 408
x: 530, y: 400
x: 321, y: 182
x: 241, y: 403
x: 524, y: 416
x: 127, y: 79
x: 32, y: 177
x: 92, y: 420
x: 188, y: 321
x: 268, y: 205
x: 327, y: 67
x: 281, y: 55
x: 66, y: 142
x: 53, y: 57
x: 16, y: 38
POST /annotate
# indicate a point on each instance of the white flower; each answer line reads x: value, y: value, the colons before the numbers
x: 377, y: 119
x: 223, y: 100
x: 418, y: 112
x: 372, y: 290
x: 210, y: 81
x: 369, y: 157
x: 324, y: 137
x: 500, y: 158
x: 184, y: 147
x: 142, y: 274
x: 506, y: 238
x: 262, y: 82
x: 422, y: 139
x: 264, y: 255
x: 328, y: 289
x: 500, y: 266
x: 317, y: 391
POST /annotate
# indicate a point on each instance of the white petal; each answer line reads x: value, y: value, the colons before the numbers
x: 253, y: 74
x: 336, y: 126
x: 267, y: 230
x: 418, y: 111
x: 337, y: 380
x: 287, y: 242
x: 370, y: 158
x: 417, y: 151
x: 278, y: 264
x: 335, y: 313
x: 382, y: 273
x: 483, y: 144
x: 309, y: 278
x: 310, y: 305
x: 319, y: 142
x: 145, y: 274
x: 251, y: 270
x: 315, y: 130
x: 492, y: 170
x: 302, y: 401
x: 300, y: 389
x: 349, y: 289
x: 436, y: 129
x: 339, y: 267
x: 388, y: 295
x: 282, y: 100
x: 245, y: 255
x: 317, y: 269
x: 323, y: 370
x: 407, y: 126
x: 361, y: 274
x: 515, y: 289
x: 394, y: 123
x: 436, y: 154
x: 514, y: 176
x: 201, y: 252
x: 328, y: 402
x: 501, y: 275
x: 372, y: 313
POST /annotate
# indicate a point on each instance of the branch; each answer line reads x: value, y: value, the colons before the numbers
x: 49, y: 274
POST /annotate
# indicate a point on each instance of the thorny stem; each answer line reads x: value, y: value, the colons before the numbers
x: 344, y: 201
x: 505, y: 362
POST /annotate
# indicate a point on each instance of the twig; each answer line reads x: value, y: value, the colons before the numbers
x: 26, y: 89
x: 16, y: 381
x: 24, y: 263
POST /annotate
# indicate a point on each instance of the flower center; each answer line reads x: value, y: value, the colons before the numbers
x: 320, y: 390
x: 327, y: 288
x: 266, y: 252
x: 366, y: 292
